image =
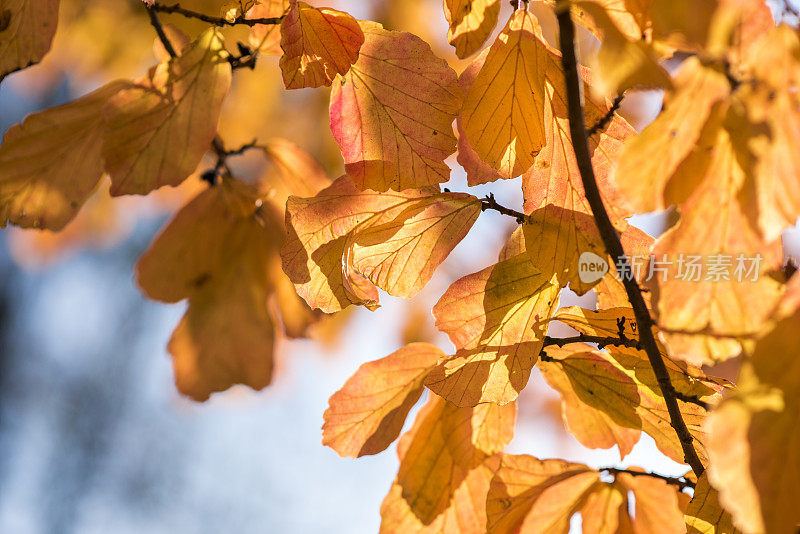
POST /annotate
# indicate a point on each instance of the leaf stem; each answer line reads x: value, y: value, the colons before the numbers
x: 609, y: 234
x: 162, y: 36
x: 217, y: 21
x: 601, y: 124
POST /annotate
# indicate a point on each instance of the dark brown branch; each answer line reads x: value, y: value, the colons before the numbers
x: 680, y: 482
x: 162, y: 36
x: 489, y: 203
x: 601, y: 124
x: 217, y: 21
x: 611, y: 238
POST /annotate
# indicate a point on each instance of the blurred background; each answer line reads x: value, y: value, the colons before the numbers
x: 93, y: 434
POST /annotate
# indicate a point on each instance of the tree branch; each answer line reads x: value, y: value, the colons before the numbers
x: 489, y: 203
x: 609, y: 234
x: 162, y: 36
x: 217, y: 21
x: 680, y: 482
x: 601, y: 124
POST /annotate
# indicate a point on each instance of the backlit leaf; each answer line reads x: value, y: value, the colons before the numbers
x: 155, y: 137
x: 471, y: 22
x: 345, y: 243
x: 266, y: 38
x: 51, y: 162
x: 317, y: 45
x: 705, y: 515
x: 496, y: 318
x: 392, y: 113
x: 367, y: 414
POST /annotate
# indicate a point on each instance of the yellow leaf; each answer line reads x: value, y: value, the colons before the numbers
x: 367, y: 414
x: 432, y: 454
x: 465, y: 515
x: 26, y: 31
x: 704, y: 514
x: 755, y: 463
x: 731, y: 295
x: 581, y: 377
x: 317, y: 45
x: 641, y: 177
x: 471, y: 22
x: 496, y: 318
x: 154, y: 136
x: 344, y: 242
x: 657, y: 509
x: 51, y: 162
x: 605, y: 509
x: 503, y: 115
x: 622, y: 64
x: 392, y: 113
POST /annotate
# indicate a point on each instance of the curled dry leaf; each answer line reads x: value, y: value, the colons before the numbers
x: 154, y: 136
x: 317, y: 45
x: 51, y: 162
x: 345, y: 243
x: 27, y: 28
x: 497, y: 319
x: 392, y: 113
x: 367, y: 414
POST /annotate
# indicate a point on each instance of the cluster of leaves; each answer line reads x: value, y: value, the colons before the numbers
x: 720, y: 151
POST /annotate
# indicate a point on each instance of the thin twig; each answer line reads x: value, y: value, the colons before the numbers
x: 217, y: 21
x: 680, y: 482
x: 162, y: 36
x: 489, y: 203
x: 611, y: 238
x: 601, y: 124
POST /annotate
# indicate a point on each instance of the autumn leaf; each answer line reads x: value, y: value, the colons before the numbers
x: 345, y: 243
x: 579, y: 377
x: 532, y: 495
x: 643, y: 178
x: 705, y: 515
x: 721, y: 300
x: 433, y: 463
x: 392, y: 113
x: 622, y: 64
x: 656, y: 509
x: 27, y: 28
x: 466, y: 513
x: 754, y: 463
x: 367, y: 414
x: 605, y: 511
x: 471, y: 23
x: 51, y: 162
x: 503, y: 115
x: 317, y: 45
x: 266, y: 38
x: 154, y: 137
x: 496, y: 318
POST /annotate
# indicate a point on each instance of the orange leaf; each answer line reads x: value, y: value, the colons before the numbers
x: 266, y: 38
x: 367, y: 414
x: 471, y: 22
x: 317, y: 45
x: 216, y: 252
x: 51, y: 162
x: 496, y: 318
x: 392, y: 113
x: 155, y: 137
x: 528, y: 495
x: 606, y: 511
x: 433, y: 463
x: 27, y: 28
x: 344, y: 242
x: 503, y: 115
x: 582, y: 377
x: 657, y: 510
